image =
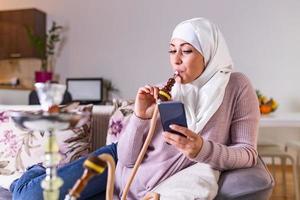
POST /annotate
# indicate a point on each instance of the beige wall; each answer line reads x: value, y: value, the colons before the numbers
x: 127, y: 41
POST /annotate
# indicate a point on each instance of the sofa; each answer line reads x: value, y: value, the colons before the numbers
x: 72, y: 143
x: 107, y: 124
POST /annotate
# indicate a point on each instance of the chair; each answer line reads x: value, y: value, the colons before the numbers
x: 295, y: 145
x: 34, y: 99
x: 273, y: 151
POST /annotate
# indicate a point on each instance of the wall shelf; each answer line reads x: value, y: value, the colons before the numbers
x: 18, y: 87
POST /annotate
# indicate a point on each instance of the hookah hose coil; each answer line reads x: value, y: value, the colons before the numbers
x: 163, y: 95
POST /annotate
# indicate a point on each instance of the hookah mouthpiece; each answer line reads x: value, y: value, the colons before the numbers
x: 164, y: 93
x: 95, y: 164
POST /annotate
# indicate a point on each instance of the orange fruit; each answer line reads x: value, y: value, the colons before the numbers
x: 265, y: 109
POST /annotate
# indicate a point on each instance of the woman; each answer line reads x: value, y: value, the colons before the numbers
x: 222, y: 115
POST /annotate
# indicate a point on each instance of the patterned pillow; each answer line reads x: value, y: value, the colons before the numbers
x: 118, y: 121
x: 21, y: 148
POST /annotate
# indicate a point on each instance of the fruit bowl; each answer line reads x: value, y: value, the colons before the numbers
x: 266, y: 105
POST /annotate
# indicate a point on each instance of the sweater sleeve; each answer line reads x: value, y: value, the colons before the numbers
x: 132, y: 140
x: 241, y: 151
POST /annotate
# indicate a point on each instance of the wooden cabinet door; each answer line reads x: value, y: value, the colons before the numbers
x: 5, y: 36
x: 14, y: 41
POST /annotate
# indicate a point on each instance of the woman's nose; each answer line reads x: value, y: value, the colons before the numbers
x: 177, y: 58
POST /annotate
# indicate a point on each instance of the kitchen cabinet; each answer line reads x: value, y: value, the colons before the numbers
x: 14, y: 40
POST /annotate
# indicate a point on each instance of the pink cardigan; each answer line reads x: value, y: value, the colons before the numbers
x: 230, y: 138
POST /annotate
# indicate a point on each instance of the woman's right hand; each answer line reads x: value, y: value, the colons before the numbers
x: 145, y: 101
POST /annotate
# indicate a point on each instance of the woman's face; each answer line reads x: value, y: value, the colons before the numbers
x: 185, y: 59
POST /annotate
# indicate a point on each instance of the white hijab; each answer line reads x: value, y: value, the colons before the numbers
x: 204, y: 95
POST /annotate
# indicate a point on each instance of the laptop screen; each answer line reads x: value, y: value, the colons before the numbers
x: 85, y: 90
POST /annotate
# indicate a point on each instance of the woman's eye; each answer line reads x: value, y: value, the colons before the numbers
x: 187, y: 51
x: 172, y: 51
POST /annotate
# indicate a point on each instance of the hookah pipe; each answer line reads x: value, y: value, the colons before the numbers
x: 163, y: 95
x: 93, y: 166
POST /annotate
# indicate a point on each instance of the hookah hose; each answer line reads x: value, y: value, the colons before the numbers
x: 93, y: 166
x: 163, y: 95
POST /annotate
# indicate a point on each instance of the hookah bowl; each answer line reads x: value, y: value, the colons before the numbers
x: 50, y: 95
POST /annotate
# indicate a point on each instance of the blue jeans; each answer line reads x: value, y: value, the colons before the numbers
x: 28, y: 186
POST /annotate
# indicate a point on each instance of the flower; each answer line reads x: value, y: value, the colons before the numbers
x: 13, y: 149
x: 10, y: 141
x: 3, y: 117
x: 8, y: 137
x: 116, y: 127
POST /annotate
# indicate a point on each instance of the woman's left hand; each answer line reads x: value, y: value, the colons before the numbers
x: 190, y: 145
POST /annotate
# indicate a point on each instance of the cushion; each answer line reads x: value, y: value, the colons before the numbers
x: 21, y: 148
x: 5, y: 194
x: 247, y: 183
x: 118, y: 121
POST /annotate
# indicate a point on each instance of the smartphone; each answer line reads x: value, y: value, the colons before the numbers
x: 172, y: 112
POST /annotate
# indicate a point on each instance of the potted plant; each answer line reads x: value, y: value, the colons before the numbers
x: 46, y: 49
